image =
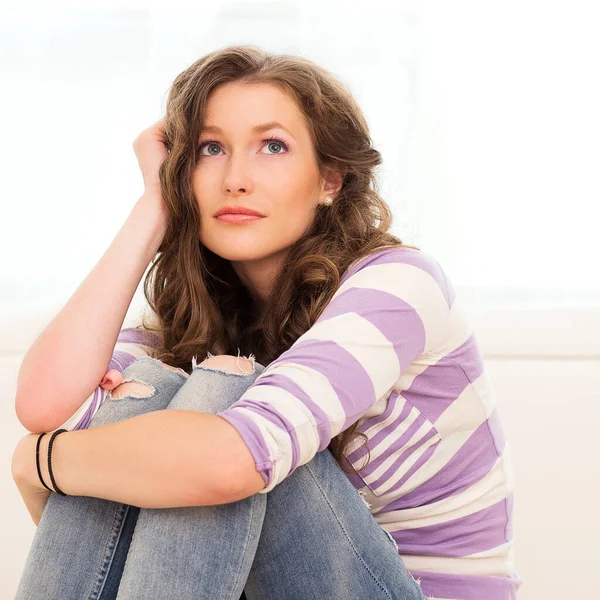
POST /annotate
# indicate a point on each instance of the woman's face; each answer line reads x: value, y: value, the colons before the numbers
x: 239, y: 166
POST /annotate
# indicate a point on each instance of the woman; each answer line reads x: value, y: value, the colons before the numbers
x: 260, y: 483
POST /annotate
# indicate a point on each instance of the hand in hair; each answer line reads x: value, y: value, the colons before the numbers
x: 150, y: 148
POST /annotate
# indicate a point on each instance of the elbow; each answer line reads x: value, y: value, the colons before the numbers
x: 241, y: 487
x: 241, y: 480
x: 28, y: 405
x: 236, y: 481
x: 235, y: 475
x: 35, y: 418
x: 239, y: 477
x: 41, y: 409
x: 30, y: 421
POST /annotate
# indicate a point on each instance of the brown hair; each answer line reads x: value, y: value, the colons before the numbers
x: 198, y: 301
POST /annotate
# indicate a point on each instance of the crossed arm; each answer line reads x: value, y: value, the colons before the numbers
x: 161, y: 459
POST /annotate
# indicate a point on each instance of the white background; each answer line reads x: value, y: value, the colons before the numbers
x: 486, y: 114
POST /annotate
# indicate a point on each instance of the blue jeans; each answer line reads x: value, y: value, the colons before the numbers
x: 312, y: 536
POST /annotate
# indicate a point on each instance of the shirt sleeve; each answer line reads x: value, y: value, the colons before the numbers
x: 389, y: 309
x: 132, y: 343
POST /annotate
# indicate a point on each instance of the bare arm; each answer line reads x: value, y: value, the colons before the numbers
x: 162, y: 459
x: 68, y: 360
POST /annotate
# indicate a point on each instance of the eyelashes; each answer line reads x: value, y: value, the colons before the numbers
x: 275, y: 139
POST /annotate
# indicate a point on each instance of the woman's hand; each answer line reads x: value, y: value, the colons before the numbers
x: 111, y: 379
x: 151, y: 149
x: 25, y: 476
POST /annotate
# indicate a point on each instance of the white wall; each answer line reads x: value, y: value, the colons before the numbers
x: 486, y: 117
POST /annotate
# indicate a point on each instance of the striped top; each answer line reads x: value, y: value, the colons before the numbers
x: 394, y: 351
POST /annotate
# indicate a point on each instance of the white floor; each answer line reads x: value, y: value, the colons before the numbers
x: 551, y: 411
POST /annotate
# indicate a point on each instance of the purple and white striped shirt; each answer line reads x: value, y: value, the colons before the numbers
x: 394, y: 351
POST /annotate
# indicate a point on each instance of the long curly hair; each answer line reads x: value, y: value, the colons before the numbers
x: 198, y: 302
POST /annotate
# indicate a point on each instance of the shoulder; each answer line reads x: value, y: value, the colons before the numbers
x: 399, y: 291
x: 392, y: 263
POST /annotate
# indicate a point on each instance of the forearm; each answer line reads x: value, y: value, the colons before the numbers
x: 81, y: 337
x: 162, y: 459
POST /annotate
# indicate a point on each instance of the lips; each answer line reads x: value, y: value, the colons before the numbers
x: 237, y: 210
x: 231, y: 218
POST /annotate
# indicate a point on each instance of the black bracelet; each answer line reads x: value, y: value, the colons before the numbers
x: 50, y: 462
x: 37, y: 460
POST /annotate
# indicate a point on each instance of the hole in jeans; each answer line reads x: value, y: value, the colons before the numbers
x: 133, y: 389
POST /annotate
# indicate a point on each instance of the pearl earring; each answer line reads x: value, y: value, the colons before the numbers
x: 328, y: 201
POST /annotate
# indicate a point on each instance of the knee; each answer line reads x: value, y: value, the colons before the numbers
x: 133, y: 389
x: 232, y: 364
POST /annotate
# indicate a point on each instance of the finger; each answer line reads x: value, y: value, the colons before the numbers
x: 111, y: 379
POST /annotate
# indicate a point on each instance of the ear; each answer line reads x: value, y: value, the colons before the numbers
x: 332, y: 182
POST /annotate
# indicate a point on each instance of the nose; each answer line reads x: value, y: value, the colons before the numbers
x: 236, y: 180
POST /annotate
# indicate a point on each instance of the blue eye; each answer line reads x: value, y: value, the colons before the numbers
x: 278, y: 142
x: 274, y: 140
x: 204, y: 144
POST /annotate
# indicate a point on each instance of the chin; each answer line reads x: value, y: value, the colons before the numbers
x: 241, y: 255
x: 240, y: 252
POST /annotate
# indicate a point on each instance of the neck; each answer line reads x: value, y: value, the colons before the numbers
x: 258, y: 276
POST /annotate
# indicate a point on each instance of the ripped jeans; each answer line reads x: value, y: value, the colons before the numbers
x: 312, y: 536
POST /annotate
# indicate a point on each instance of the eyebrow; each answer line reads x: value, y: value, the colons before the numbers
x: 255, y: 129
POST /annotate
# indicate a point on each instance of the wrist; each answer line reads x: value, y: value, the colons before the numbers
x: 153, y: 206
x: 24, y: 469
x: 43, y: 460
x: 149, y: 216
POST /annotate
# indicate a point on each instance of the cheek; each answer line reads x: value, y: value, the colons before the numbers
x: 292, y: 221
x: 295, y: 177
x: 204, y: 189
x: 292, y: 206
